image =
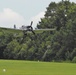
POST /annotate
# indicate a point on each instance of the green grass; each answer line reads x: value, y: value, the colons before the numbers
x: 16, y: 67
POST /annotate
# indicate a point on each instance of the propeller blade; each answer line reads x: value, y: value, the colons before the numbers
x: 31, y: 23
x: 33, y: 32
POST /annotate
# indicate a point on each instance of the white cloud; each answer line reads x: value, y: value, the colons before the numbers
x: 37, y: 18
x: 8, y: 18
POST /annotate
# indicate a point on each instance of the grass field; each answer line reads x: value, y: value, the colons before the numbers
x: 15, y: 67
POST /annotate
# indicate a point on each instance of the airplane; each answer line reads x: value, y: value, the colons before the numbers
x: 26, y: 29
x: 30, y: 29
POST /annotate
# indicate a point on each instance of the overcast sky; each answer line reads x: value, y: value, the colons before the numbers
x: 22, y: 12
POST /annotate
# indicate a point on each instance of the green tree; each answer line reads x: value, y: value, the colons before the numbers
x: 58, y: 14
x: 5, y: 38
x: 12, y: 49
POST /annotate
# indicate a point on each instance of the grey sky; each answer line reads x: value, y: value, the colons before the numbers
x: 22, y: 11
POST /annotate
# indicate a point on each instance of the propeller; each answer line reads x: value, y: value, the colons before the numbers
x: 29, y: 28
x: 31, y: 23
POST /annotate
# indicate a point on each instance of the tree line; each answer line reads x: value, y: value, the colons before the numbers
x: 57, y: 45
